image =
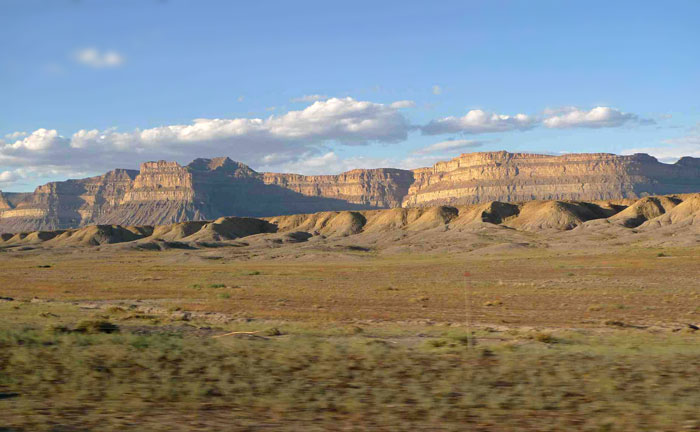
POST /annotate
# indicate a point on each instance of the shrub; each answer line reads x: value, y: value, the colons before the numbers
x: 96, y: 326
x: 274, y: 331
x: 57, y: 329
x: 438, y: 343
x: 545, y: 338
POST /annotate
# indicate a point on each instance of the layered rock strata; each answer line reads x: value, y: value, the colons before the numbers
x: 502, y: 176
x: 166, y: 192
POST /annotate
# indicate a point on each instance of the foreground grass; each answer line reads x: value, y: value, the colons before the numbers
x: 624, y: 380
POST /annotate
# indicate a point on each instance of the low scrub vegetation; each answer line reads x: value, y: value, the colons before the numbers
x: 106, y: 380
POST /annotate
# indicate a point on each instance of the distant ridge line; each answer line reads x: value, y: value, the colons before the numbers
x: 164, y: 192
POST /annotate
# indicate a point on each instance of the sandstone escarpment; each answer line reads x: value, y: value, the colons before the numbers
x: 380, y: 188
x: 166, y: 193
x: 502, y: 176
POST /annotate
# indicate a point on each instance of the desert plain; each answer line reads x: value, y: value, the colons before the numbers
x: 546, y: 315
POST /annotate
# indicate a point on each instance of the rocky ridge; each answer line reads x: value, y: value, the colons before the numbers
x: 480, y: 177
x: 165, y: 192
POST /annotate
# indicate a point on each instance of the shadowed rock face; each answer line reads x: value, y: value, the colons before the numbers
x: 166, y: 192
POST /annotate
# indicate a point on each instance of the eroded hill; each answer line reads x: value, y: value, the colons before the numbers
x: 658, y: 220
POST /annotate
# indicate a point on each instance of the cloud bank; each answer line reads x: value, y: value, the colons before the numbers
x: 306, y: 140
x: 479, y: 121
x: 281, y: 138
x: 598, y: 117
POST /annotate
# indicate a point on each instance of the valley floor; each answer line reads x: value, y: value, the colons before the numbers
x: 336, y: 338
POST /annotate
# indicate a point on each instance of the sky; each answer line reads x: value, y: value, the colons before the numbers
x: 319, y: 87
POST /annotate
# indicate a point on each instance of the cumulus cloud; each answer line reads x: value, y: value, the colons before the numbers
x: 449, y: 145
x: 403, y: 104
x: 285, y: 137
x: 95, y: 58
x: 305, y: 140
x: 598, y: 117
x: 672, y: 149
x: 479, y: 121
x: 15, y: 135
x: 9, y: 176
x: 310, y: 98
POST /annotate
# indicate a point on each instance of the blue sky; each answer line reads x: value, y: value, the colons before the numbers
x: 322, y: 87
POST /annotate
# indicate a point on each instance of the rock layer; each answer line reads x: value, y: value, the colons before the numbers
x: 162, y: 193
x: 502, y: 176
x: 166, y: 192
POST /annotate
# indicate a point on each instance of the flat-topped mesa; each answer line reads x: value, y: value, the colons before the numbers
x: 378, y: 188
x: 160, y: 181
x: 58, y: 205
x: 165, y: 192
x: 502, y: 176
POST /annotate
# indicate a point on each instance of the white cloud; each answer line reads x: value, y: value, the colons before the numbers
x: 285, y: 138
x: 598, y: 117
x: 39, y: 141
x: 8, y: 176
x: 304, y: 140
x: 671, y: 149
x: 16, y: 135
x: 449, y: 145
x: 99, y: 59
x: 437, y: 90
x: 310, y: 98
x: 403, y: 104
x: 478, y: 121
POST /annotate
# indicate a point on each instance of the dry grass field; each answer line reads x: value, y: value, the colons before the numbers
x: 108, y: 339
x: 536, y: 287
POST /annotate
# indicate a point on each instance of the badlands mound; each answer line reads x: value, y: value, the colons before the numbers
x: 644, y: 210
x: 667, y: 220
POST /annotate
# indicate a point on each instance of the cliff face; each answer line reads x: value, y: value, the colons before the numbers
x: 502, y: 176
x: 380, y: 188
x: 166, y: 192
